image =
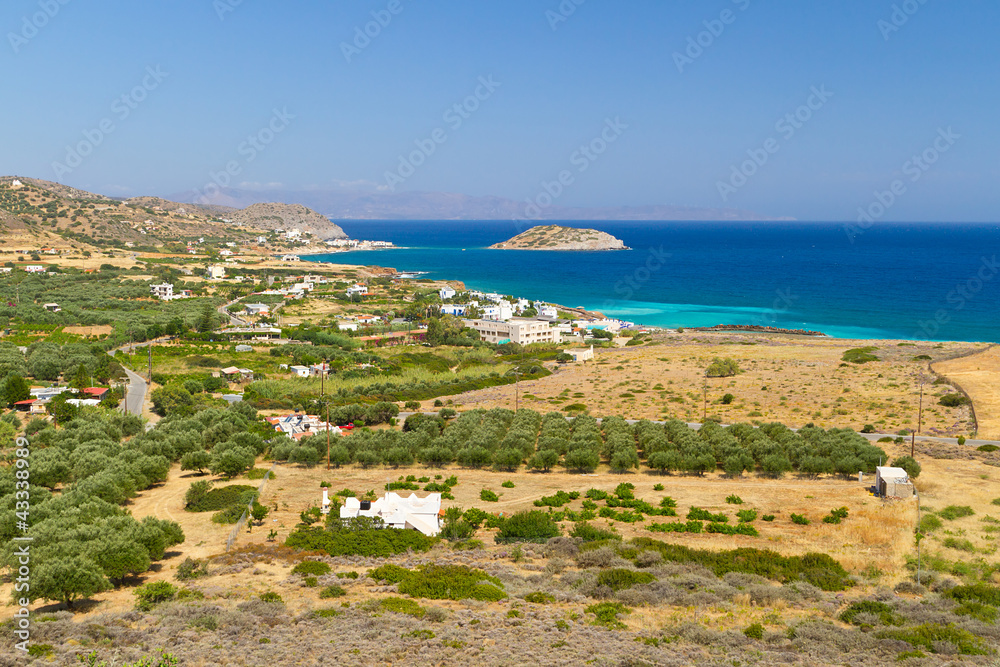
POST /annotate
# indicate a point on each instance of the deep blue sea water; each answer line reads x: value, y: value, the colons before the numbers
x: 928, y: 281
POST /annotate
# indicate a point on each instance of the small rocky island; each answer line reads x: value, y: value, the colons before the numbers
x: 555, y: 237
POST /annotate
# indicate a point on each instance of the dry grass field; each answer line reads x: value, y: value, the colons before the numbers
x: 791, y: 379
x: 979, y: 376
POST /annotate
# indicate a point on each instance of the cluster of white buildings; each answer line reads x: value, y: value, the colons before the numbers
x: 410, y: 513
x: 355, y: 244
x: 298, y: 425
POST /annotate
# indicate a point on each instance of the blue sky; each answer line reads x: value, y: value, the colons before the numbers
x: 226, y: 66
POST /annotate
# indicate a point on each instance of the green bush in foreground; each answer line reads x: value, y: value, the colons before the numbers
x: 884, y: 612
x: 403, y: 606
x: 607, y: 614
x: 221, y: 498
x: 590, y: 533
x: 488, y: 496
x: 952, y: 512
x: 442, y: 582
x: 820, y: 570
x: 311, y: 567
x: 619, y: 579
x: 539, y: 597
x: 532, y: 526
x: 924, y: 636
x: 984, y: 593
x: 754, y: 631
x: 369, y: 542
x: 149, y: 595
x: 800, y: 519
x: 332, y: 591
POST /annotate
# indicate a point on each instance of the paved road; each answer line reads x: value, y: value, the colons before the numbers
x: 136, y: 394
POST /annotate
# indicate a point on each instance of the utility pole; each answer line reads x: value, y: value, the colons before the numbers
x: 920, y: 415
x: 704, y: 414
x: 150, y: 350
x: 328, y: 435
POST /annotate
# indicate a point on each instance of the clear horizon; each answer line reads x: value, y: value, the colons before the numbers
x: 859, y: 111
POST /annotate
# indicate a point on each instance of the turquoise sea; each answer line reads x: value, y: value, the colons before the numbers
x: 914, y: 281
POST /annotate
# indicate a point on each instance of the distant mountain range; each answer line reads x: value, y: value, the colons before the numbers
x: 355, y: 204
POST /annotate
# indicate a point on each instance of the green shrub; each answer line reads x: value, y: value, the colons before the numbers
x: 754, y: 631
x: 618, y: 579
x: 980, y: 448
x: 959, y: 544
x: 800, y: 519
x: 929, y: 523
x: 746, y: 516
x: 558, y: 500
x: 952, y: 512
x: 607, y: 613
x: 678, y: 527
x: 734, y: 500
x: 488, y: 496
x: 149, y: 595
x: 924, y: 636
x: 223, y: 498
x: 270, y: 596
x: 739, y: 529
x: 768, y: 517
x: 442, y: 582
x: 311, y: 567
x: 347, y: 575
x: 403, y: 606
x: 698, y: 514
x: 909, y: 464
x: 191, y: 568
x: 720, y: 368
x: 310, y: 582
x: 818, y: 569
x: 728, y: 399
x: 979, y: 611
x: 836, y: 516
x: 885, y: 613
x: 539, y: 597
x: 508, y: 484
x: 365, y: 542
x: 953, y: 400
x: 860, y: 355
x: 261, y: 473
x: 984, y: 593
x: 658, y: 487
x: 590, y: 533
x: 533, y: 526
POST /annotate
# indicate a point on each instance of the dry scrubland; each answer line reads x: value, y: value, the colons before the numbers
x: 791, y: 379
x: 688, y: 616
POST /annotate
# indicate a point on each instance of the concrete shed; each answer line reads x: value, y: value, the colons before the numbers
x: 893, y: 482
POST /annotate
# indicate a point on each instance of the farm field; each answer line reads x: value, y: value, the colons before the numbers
x: 794, y: 380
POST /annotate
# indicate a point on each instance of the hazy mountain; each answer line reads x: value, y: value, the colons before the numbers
x: 346, y: 204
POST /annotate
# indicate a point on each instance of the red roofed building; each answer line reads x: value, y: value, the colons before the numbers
x: 96, y: 392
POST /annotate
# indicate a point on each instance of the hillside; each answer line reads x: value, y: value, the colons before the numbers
x: 287, y: 216
x: 39, y: 213
x: 556, y: 237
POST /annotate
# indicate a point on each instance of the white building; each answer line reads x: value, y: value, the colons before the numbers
x: 226, y: 253
x: 35, y: 268
x: 548, y: 311
x: 446, y: 293
x: 519, y: 331
x: 357, y: 289
x: 289, y: 258
x: 347, y: 326
x: 581, y: 355
x: 410, y: 513
x: 254, y: 309
x: 893, y: 482
x: 16, y: 184
x: 216, y: 272
x: 301, y: 371
x: 164, y: 292
x: 501, y: 311
x: 454, y: 309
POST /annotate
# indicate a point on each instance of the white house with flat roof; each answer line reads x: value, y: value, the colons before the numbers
x: 164, y: 292
x: 255, y: 309
x: 519, y: 331
x: 446, y: 293
x: 410, y: 513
